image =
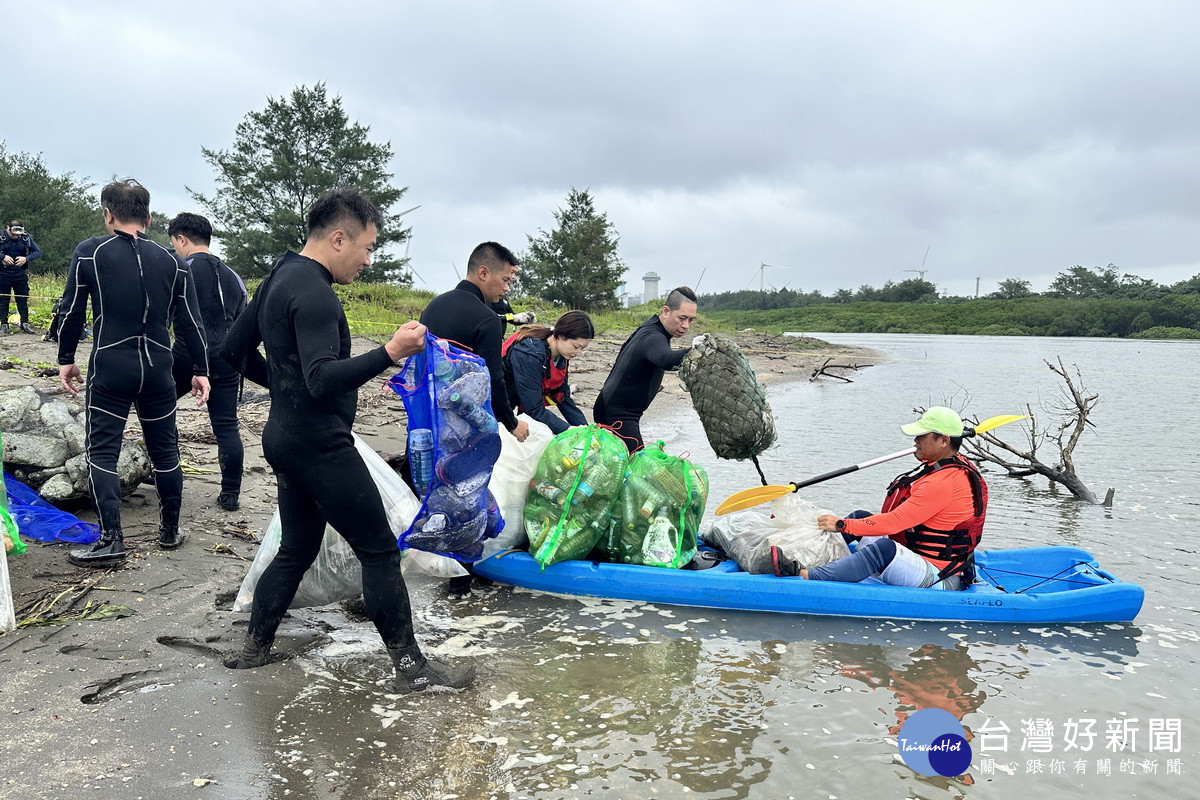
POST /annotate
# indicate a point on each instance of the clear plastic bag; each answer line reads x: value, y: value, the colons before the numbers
x: 336, y: 574
x: 8, y: 619
x: 789, y: 523
x: 510, y: 483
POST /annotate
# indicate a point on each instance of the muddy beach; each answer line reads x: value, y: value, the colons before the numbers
x: 123, y: 691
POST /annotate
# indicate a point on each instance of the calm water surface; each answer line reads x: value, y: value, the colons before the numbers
x: 588, y: 698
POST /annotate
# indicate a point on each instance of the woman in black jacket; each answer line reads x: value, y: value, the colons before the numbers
x: 535, y: 368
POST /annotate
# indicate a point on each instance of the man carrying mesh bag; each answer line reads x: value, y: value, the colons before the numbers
x: 659, y: 511
x: 572, y: 493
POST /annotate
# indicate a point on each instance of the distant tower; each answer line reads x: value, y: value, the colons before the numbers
x: 651, y: 293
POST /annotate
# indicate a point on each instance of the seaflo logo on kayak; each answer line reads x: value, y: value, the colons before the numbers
x: 933, y: 742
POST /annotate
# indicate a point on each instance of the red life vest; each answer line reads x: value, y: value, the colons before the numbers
x: 953, y: 546
x: 554, y: 378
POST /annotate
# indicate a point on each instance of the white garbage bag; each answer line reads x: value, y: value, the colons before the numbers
x: 337, y: 574
x: 510, y: 483
x: 788, y: 523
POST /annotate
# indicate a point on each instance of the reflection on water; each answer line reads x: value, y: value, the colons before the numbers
x: 587, y: 698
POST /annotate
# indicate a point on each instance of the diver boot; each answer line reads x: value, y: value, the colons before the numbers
x: 228, y: 501
x: 415, y: 673
x: 27, y: 328
x: 254, y: 654
x: 170, y: 537
x: 109, y: 550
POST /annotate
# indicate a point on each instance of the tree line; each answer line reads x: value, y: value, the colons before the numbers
x: 1076, y: 283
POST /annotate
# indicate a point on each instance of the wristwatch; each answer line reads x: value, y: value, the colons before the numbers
x: 840, y: 525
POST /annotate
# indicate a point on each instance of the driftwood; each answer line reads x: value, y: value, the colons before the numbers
x: 1070, y: 414
x: 823, y: 370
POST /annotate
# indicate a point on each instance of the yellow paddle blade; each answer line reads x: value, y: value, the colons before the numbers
x: 995, y: 422
x: 748, y: 498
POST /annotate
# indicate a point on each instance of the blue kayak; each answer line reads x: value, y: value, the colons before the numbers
x: 1027, y: 585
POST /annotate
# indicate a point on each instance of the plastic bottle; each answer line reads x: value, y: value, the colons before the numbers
x: 582, y: 492
x: 659, y: 548
x: 468, y: 470
x: 659, y: 472
x: 607, y: 476
x: 420, y: 458
x: 473, y: 413
x: 548, y: 491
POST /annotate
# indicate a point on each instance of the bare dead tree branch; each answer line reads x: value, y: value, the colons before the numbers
x: 823, y: 370
x: 1070, y: 421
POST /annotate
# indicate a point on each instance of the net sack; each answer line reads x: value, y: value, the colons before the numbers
x: 658, y: 513
x: 727, y: 396
x: 570, y: 498
x: 453, y: 444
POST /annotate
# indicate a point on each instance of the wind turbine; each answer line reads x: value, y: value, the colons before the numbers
x: 921, y: 272
x: 761, y: 270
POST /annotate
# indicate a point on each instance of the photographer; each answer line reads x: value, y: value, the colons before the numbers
x: 17, y: 249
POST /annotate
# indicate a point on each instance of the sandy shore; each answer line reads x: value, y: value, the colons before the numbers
x: 165, y: 618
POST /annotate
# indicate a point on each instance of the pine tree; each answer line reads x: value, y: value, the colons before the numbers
x: 576, y: 264
x: 282, y: 158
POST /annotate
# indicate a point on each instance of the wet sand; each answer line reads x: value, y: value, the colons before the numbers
x: 138, y: 702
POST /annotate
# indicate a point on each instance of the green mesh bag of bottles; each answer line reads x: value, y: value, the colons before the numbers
x: 572, y: 493
x: 658, y: 512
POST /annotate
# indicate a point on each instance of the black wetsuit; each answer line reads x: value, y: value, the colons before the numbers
x: 137, y: 288
x: 321, y: 478
x: 222, y: 296
x: 635, y: 378
x: 461, y: 316
x: 14, y: 280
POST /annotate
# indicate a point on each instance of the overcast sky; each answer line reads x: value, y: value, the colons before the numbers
x: 838, y: 141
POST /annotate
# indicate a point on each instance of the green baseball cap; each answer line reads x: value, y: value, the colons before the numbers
x: 938, y: 419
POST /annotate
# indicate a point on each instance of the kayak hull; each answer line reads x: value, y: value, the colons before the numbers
x: 1024, y: 586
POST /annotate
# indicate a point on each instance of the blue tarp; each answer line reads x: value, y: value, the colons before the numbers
x: 40, y: 520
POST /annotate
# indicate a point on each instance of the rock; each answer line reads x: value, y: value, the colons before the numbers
x: 58, y: 489
x: 77, y: 469
x: 44, y: 444
x: 56, y: 415
x: 18, y: 408
x: 34, y: 451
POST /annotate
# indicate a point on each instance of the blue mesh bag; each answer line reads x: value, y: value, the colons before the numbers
x: 453, y: 443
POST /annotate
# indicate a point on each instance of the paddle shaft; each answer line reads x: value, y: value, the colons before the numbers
x: 847, y: 470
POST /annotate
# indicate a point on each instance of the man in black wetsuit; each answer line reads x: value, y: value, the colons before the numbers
x: 17, y: 249
x: 314, y: 384
x: 637, y: 373
x: 463, y: 316
x: 222, y: 296
x: 137, y: 288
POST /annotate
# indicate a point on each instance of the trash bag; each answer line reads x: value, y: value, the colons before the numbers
x: 658, y: 514
x: 789, y: 523
x: 570, y: 498
x: 510, y: 483
x: 731, y: 403
x: 38, y: 519
x: 8, y: 526
x: 453, y: 444
x: 8, y: 617
x: 336, y: 574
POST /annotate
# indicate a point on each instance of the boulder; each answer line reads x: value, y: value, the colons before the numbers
x: 44, y: 442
